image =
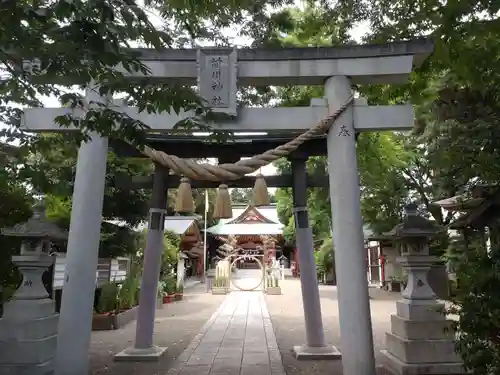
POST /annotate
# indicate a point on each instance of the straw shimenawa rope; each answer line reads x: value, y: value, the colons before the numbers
x: 228, y: 172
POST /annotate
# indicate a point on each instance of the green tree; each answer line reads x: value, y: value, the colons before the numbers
x: 47, y: 165
x: 380, y: 156
x: 15, y: 207
x: 325, y: 260
x: 55, y: 48
x: 456, y: 92
x: 241, y: 196
x: 477, y: 306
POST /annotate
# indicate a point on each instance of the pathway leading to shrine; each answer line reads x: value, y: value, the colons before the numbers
x: 237, y: 340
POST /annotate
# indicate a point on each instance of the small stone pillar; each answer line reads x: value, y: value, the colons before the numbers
x: 28, y: 328
x: 420, y: 341
x: 181, y: 270
x: 284, y: 261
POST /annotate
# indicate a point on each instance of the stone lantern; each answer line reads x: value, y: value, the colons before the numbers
x: 28, y: 328
x: 420, y: 341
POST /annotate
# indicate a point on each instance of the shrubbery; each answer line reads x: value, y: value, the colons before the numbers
x: 477, y: 304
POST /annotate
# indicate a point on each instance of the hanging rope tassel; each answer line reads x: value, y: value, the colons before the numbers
x: 184, y: 202
x: 260, y: 193
x: 222, y: 209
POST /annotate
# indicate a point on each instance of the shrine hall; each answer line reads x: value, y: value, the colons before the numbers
x: 252, y: 231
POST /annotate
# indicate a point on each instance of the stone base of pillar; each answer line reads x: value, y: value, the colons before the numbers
x: 28, y: 328
x: 273, y: 290
x: 394, y: 366
x: 305, y: 352
x: 152, y: 354
x: 159, y: 303
x: 46, y: 368
x: 420, y: 341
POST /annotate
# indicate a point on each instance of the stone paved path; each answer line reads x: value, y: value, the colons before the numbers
x: 237, y: 340
x: 176, y: 325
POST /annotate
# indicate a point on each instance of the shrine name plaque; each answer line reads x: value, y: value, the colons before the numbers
x: 217, y: 74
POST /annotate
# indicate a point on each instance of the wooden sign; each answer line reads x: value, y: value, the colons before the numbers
x: 217, y: 74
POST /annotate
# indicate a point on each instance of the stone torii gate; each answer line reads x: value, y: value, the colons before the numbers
x: 337, y: 68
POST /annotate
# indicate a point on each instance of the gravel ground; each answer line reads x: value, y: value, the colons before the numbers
x: 288, y: 321
x: 176, y: 325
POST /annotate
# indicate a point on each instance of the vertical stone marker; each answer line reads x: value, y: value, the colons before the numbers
x: 217, y: 75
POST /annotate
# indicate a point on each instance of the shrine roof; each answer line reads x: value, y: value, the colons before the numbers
x: 471, y: 200
x: 265, y: 214
x: 480, y: 215
x: 176, y: 224
x: 194, y: 252
x: 246, y: 229
x: 460, y: 202
x: 250, y: 220
x: 179, y: 224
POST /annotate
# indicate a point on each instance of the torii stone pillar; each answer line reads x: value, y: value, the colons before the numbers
x: 143, y: 349
x: 75, y: 319
x: 354, y: 308
x: 315, y: 347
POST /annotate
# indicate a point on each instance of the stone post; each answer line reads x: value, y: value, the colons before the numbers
x: 420, y: 340
x: 352, y: 286
x: 315, y: 347
x: 180, y: 271
x: 28, y: 328
x: 75, y: 320
x: 143, y: 349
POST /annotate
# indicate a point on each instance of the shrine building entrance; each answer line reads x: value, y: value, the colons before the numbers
x: 249, y: 253
x: 250, y: 240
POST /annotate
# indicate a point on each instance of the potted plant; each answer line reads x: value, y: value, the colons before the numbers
x: 179, y: 293
x: 171, y: 287
x: 117, y: 304
x: 325, y: 262
x: 159, y: 296
x: 127, y: 293
x: 168, y: 289
x: 106, y: 307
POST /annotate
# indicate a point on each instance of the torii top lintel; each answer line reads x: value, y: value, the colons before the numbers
x: 365, y: 64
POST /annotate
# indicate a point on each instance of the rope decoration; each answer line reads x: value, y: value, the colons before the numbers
x: 228, y: 172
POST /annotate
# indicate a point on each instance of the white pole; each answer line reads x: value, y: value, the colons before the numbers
x: 205, y: 237
x: 369, y: 254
